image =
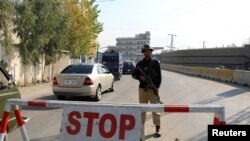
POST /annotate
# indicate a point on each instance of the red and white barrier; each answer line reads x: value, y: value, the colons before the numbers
x: 219, y: 117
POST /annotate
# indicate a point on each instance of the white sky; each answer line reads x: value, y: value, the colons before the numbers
x: 217, y: 22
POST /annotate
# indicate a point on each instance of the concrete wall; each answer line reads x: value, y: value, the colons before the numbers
x: 25, y: 75
x: 54, y: 69
x: 239, y: 56
x: 225, y: 75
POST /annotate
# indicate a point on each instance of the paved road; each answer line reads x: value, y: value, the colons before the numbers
x: 44, y: 125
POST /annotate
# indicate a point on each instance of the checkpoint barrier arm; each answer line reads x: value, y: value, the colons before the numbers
x: 219, y: 114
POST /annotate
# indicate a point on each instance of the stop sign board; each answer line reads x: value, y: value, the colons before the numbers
x: 100, y: 123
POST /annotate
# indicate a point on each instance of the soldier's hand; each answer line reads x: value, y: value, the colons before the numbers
x: 142, y: 78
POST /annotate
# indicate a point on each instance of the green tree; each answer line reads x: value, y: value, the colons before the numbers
x: 95, y: 27
x: 25, y: 22
x: 6, y: 22
x: 85, y: 27
x: 45, y: 27
x: 42, y: 28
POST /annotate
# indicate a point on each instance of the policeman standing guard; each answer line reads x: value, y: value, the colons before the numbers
x: 150, y: 67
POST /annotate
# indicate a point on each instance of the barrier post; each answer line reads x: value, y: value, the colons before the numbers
x: 222, y: 117
x: 21, y: 123
x: 219, y: 118
x: 4, y: 124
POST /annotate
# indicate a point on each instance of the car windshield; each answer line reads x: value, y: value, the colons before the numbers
x: 79, y: 69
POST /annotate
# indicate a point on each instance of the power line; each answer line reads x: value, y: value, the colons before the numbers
x: 163, y: 18
x: 182, y: 11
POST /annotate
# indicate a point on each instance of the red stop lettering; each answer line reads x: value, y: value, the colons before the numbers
x: 113, y: 126
x: 124, y: 126
x: 72, y: 118
x: 90, y: 116
x: 127, y: 122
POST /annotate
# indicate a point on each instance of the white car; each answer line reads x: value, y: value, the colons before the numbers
x: 85, y: 79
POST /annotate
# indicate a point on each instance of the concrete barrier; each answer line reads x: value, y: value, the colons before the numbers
x: 192, y: 70
x: 226, y: 75
x: 203, y: 72
x: 197, y: 71
x: 247, y: 78
x: 242, y: 77
x: 213, y: 73
x: 239, y: 77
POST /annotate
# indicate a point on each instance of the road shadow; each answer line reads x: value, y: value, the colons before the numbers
x: 127, y: 74
x: 50, y: 138
x: 223, y: 95
x: 232, y: 93
x: 48, y: 97
x: 85, y: 98
x: 73, y: 98
x: 150, y: 136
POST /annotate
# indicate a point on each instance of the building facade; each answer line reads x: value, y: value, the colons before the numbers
x: 130, y: 47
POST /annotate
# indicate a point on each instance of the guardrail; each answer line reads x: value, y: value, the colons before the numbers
x: 231, y: 76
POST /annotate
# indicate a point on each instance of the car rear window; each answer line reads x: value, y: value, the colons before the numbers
x: 80, y: 69
x: 128, y: 64
x: 110, y: 58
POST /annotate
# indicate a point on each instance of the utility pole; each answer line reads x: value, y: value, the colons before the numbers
x: 172, y: 41
x: 204, y: 46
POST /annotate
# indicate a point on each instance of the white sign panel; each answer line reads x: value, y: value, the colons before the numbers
x: 100, y: 123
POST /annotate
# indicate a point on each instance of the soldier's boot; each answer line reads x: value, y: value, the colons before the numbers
x: 157, y: 131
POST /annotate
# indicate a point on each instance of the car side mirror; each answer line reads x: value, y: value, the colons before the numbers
x: 107, y: 72
x: 10, y: 82
x: 11, y: 77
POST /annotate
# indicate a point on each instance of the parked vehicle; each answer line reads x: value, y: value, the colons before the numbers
x: 128, y: 67
x: 87, y: 79
x: 112, y: 59
x: 8, y: 90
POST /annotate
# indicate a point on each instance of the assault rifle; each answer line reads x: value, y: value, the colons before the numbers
x: 150, y: 82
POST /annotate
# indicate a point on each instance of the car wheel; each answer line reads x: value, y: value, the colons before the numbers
x: 112, y: 86
x: 60, y: 97
x: 98, y: 94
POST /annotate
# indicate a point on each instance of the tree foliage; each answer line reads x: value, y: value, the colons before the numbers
x: 84, y: 27
x: 45, y: 27
x: 40, y: 25
x: 6, y: 16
